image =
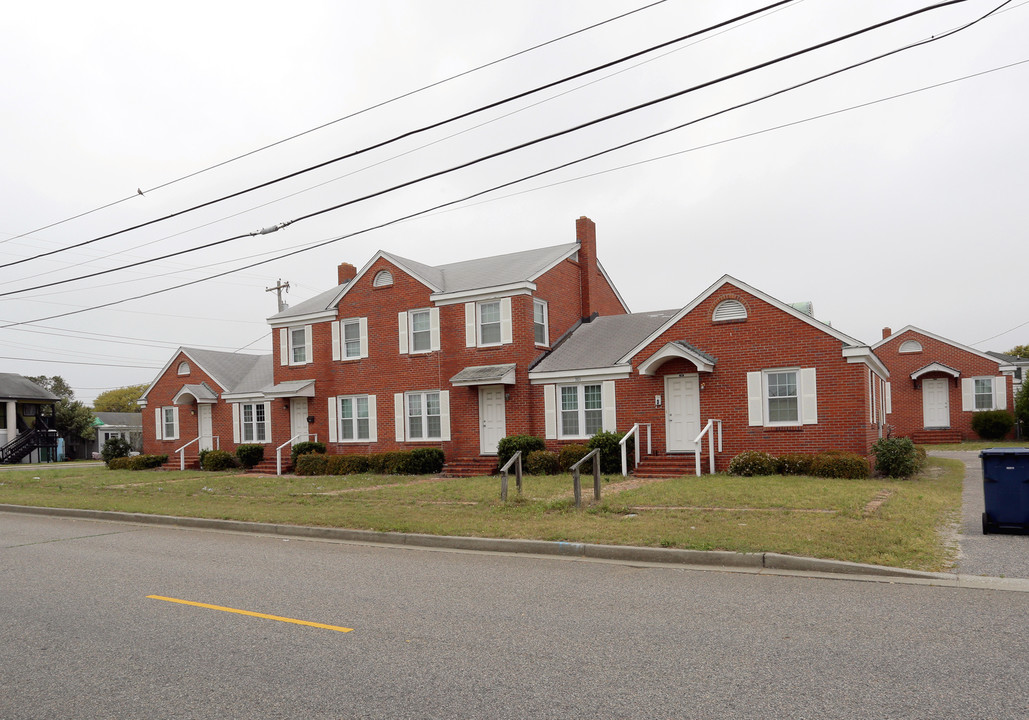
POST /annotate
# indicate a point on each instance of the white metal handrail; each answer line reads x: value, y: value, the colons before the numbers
x: 182, y: 450
x: 699, y: 443
x: 634, y: 431
x: 278, y: 450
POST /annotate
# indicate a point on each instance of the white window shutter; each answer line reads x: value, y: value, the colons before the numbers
x: 550, y: 411
x: 235, y: 423
x: 159, y: 422
x: 398, y: 415
x: 333, y: 418
x: 607, y: 398
x: 373, y: 423
x: 1000, y: 393
x: 335, y: 340
x: 469, y: 324
x: 283, y: 346
x: 444, y: 415
x: 871, y: 396
x: 434, y: 328
x: 755, y: 403
x: 363, y: 328
x: 175, y: 423
x: 808, y: 397
x: 402, y: 329
x: 505, y: 321
x: 968, y: 394
x: 268, y: 421
x: 308, y: 344
x: 889, y: 398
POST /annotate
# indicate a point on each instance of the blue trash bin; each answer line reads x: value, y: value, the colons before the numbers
x: 1005, y: 489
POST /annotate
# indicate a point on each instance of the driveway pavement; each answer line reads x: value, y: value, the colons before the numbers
x: 996, y: 555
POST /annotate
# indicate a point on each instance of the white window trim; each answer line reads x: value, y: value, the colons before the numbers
x: 159, y: 418
x: 546, y: 322
x: 336, y: 427
x: 183, y: 369
x: 473, y: 322
x: 807, y: 398
x: 499, y: 323
x: 401, y: 418
x: 406, y: 331
x: 339, y: 339
x: 581, y: 409
x: 1000, y: 393
x: 240, y: 414
x: 286, y: 345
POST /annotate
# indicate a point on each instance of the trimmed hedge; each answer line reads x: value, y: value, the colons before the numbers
x: 611, y: 451
x: 569, y: 455
x: 835, y: 464
x: 302, y: 448
x: 752, y: 462
x: 508, y: 446
x: 830, y: 464
x: 897, y: 457
x: 250, y: 455
x: 992, y: 424
x: 312, y: 463
x: 346, y: 464
x: 542, y: 462
x: 218, y: 460
x: 420, y: 461
x: 795, y: 463
x: 137, y: 462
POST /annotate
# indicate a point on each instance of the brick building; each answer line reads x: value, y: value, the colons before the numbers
x: 938, y: 384
x: 401, y: 355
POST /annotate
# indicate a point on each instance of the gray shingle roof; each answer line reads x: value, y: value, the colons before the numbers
x: 482, y: 374
x: 19, y: 387
x: 601, y: 343
x: 319, y: 303
x: 235, y: 372
x: 121, y: 419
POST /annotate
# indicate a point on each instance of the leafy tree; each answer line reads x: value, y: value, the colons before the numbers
x: 120, y: 399
x: 1021, y: 351
x: 55, y: 384
x: 73, y: 418
x: 1022, y: 406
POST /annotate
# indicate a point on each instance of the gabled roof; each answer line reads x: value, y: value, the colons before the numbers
x: 1009, y: 359
x: 18, y: 387
x: 935, y: 367
x: 119, y: 419
x: 600, y: 343
x: 959, y: 346
x: 230, y: 370
x: 467, y: 275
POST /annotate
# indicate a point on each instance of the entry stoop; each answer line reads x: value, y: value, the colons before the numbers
x: 936, y: 437
x: 668, y: 466
x: 267, y: 466
x: 470, y: 467
x: 192, y: 462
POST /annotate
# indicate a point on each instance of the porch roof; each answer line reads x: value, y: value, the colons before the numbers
x: 678, y: 349
x: 485, y: 375
x: 18, y: 387
x: 201, y: 393
x: 290, y: 388
x: 935, y: 367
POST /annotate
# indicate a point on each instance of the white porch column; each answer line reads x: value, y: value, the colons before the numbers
x: 12, y: 420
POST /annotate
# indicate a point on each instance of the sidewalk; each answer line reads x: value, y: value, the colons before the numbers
x: 995, y: 555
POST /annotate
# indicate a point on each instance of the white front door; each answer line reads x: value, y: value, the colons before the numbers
x: 204, y: 427
x: 492, y: 421
x: 298, y: 419
x: 936, y: 403
x: 682, y: 412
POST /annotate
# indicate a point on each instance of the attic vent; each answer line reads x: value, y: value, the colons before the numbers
x: 910, y: 346
x: 729, y: 310
x: 183, y: 368
x: 383, y: 278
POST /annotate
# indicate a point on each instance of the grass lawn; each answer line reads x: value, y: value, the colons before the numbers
x: 979, y: 445
x: 881, y: 521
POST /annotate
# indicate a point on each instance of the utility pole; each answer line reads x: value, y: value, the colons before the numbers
x: 277, y: 289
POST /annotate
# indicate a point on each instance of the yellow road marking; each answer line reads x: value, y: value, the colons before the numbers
x: 252, y: 614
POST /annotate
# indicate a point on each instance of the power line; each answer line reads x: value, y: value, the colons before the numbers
x: 544, y: 138
x: 72, y: 362
x: 337, y: 120
x: 425, y: 128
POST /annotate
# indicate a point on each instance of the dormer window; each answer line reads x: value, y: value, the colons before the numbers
x: 910, y: 346
x: 729, y: 310
x: 383, y: 278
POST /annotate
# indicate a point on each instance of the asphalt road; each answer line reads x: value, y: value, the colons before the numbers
x: 442, y: 634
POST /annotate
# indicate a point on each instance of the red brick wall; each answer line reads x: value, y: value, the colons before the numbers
x: 907, y: 416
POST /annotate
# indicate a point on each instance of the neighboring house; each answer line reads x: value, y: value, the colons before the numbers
x: 1020, y: 364
x: 24, y: 435
x: 125, y: 425
x: 401, y: 355
x: 939, y: 384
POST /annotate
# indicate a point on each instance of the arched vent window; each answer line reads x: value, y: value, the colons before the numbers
x: 183, y: 368
x: 383, y: 278
x: 910, y: 346
x: 729, y: 310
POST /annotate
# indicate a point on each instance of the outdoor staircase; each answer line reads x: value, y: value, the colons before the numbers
x: 669, y: 466
x: 470, y: 467
x: 267, y: 466
x: 16, y: 450
x: 936, y: 437
x: 192, y: 462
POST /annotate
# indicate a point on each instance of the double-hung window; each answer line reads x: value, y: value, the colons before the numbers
x: 582, y: 410
x: 171, y: 423
x: 253, y: 423
x: 540, y: 330
x: 297, y: 346
x: 783, y: 398
x: 984, y: 393
x: 351, y: 339
x: 421, y: 334
x: 354, y: 418
x: 489, y: 323
x: 423, y: 416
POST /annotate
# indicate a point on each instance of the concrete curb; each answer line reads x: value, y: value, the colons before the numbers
x: 621, y: 553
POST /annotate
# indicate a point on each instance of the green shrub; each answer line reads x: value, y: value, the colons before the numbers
x: 426, y: 461
x: 217, y: 460
x: 571, y: 454
x: 752, y: 462
x: 896, y: 457
x: 794, y: 463
x: 992, y: 424
x: 542, y: 462
x: 250, y: 455
x: 115, y: 447
x: 302, y: 448
x: 1022, y: 406
x: 312, y: 463
x: 836, y: 464
x: 146, y: 462
x: 611, y: 451
x: 508, y: 446
x: 118, y: 463
x: 346, y: 464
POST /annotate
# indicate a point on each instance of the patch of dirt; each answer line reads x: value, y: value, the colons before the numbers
x: 876, y: 502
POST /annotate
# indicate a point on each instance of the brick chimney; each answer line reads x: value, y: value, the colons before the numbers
x: 347, y: 272
x: 886, y: 332
x: 586, y: 236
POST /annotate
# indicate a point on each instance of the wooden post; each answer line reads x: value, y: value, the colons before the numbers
x: 596, y: 476
x: 518, y: 475
x: 503, y: 487
x: 578, y: 488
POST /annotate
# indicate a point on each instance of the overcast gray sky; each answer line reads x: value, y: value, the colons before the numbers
x: 906, y: 211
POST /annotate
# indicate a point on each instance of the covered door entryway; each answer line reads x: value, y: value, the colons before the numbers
x: 682, y: 412
x: 205, y: 428
x: 492, y: 419
x: 936, y: 403
x: 298, y: 419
